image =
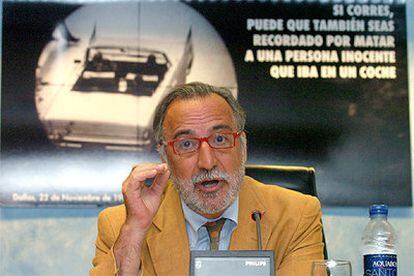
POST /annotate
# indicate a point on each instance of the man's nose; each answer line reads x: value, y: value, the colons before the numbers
x: 206, y: 156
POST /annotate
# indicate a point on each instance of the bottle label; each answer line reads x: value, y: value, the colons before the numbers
x: 380, y: 265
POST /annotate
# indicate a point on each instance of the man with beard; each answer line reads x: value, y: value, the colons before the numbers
x: 199, y: 130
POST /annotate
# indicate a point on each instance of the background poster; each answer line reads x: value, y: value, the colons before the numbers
x: 323, y: 85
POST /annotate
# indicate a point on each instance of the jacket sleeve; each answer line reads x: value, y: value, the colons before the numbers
x: 104, y: 260
x: 306, y: 242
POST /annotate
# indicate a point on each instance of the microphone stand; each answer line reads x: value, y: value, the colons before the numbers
x: 256, y: 217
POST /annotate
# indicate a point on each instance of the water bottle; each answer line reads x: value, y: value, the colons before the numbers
x: 378, y: 244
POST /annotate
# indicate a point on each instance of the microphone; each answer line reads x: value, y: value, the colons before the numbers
x: 257, y: 216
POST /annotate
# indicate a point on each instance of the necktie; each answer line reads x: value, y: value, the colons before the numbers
x: 214, y: 229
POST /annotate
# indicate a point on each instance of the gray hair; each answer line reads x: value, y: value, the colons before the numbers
x: 191, y: 91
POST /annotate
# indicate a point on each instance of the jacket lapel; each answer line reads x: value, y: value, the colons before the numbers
x: 245, y: 235
x: 168, y: 243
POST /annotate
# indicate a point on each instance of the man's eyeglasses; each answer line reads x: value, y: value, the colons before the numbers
x: 186, y: 145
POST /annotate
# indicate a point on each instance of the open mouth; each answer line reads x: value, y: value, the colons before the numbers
x: 209, y: 185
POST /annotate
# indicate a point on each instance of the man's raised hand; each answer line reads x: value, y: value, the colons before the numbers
x: 141, y: 202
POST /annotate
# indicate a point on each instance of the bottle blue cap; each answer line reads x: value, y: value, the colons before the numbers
x: 378, y: 209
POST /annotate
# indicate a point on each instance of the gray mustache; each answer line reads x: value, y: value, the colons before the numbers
x: 213, y: 174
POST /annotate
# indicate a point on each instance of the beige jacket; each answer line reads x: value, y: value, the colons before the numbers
x: 291, y: 226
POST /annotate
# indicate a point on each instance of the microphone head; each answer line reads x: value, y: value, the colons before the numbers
x: 255, y: 214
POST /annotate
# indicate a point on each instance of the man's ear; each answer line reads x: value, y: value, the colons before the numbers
x: 161, y: 152
x: 245, y: 146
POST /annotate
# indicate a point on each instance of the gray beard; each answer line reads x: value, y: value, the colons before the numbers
x: 204, y: 203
